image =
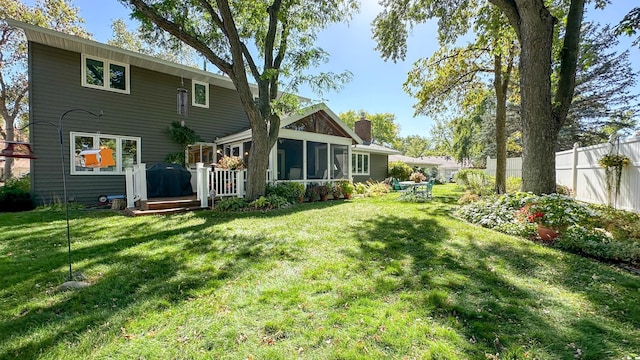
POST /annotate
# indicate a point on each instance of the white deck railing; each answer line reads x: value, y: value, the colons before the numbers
x: 136, y: 180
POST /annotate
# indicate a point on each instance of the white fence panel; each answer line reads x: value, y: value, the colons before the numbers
x: 514, y: 167
x: 579, y: 170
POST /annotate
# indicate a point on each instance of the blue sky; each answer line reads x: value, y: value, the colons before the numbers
x: 376, y: 86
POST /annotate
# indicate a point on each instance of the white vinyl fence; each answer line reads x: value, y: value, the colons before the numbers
x: 514, y: 167
x: 579, y: 170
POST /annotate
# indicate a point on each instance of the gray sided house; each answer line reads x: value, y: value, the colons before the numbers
x: 369, y: 161
x: 138, y: 96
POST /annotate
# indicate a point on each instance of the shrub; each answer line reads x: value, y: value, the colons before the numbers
x: 361, y: 188
x: 596, y: 243
x: 374, y: 188
x: 322, y: 190
x: 399, y: 170
x: 292, y: 191
x: 410, y: 196
x: 278, y: 202
x: 310, y: 192
x: 15, y: 195
x: 514, y: 184
x: 336, y: 191
x: 232, y: 204
x: 557, y: 211
x: 347, y: 187
x: 468, y: 197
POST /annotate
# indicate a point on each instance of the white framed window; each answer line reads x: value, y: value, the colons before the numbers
x: 104, y: 74
x: 102, y: 154
x: 200, y: 91
x: 359, y: 164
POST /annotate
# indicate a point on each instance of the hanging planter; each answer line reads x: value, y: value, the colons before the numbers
x: 613, y: 164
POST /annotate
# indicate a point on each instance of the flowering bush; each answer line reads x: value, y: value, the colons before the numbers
x: 417, y: 177
x: 231, y: 163
x: 555, y: 211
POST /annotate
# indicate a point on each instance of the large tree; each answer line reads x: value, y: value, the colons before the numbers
x: 384, y: 130
x: 543, y: 113
x: 58, y: 15
x: 455, y: 77
x: 270, y: 40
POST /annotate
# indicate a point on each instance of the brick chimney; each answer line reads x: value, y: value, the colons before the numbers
x: 362, y: 128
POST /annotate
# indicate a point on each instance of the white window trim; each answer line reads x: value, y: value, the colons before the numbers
x: 118, y: 153
x: 193, y: 93
x: 366, y: 157
x: 106, y: 83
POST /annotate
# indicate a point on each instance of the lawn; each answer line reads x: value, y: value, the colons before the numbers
x: 368, y: 278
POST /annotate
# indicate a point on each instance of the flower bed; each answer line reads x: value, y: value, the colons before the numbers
x: 585, y: 229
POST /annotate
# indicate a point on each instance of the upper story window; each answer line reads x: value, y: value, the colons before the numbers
x: 359, y: 164
x: 200, y: 91
x: 104, y: 74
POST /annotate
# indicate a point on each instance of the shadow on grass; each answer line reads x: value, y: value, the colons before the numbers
x: 147, y: 264
x: 469, y: 282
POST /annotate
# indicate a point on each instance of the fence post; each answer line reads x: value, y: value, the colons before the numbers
x: 574, y: 170
x: 128, y: 175
x: 240, y: 183
x: 141, y: 180
x: 204, y: 186
x: 199, y: 167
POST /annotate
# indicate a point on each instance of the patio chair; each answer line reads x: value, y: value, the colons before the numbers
x: 396, y: 185
x: 426, y: 189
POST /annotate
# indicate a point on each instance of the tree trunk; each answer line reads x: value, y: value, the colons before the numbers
x: 8, y: 161
x: 258, y: 164
x: 501, y: 121
x: 539, y: 130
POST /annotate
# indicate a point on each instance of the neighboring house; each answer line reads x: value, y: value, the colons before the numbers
x: 447, y: 167
x: 19, y: 169
x: 138, y: 96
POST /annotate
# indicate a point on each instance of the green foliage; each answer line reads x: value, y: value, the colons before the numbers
x: 514, y: 184
x: 361, y: 188
x: 231, y: 204
x: 347, y: 187
x: 595, y: 231
x: 384, y: 130
x: 416, y: 197
x: 471, y: 178
x: 175, y: 158
x: 376, y: 189
x: 596, y: 243
x: 292, y: 191
x: 311, y: 193
x: 182, y: 135
x: 15, y: 195
x: 399, y: 170
x: 322, y: 190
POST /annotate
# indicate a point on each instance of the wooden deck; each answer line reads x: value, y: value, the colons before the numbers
x: 164, y: 206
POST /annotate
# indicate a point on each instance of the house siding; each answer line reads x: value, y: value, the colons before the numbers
x: 55, y: 87
x: 378, y: 169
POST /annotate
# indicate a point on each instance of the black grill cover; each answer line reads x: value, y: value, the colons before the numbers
x: 167, y: 180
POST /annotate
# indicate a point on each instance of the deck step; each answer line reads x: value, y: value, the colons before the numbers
x: 169, y: 204
x: 163, y: 211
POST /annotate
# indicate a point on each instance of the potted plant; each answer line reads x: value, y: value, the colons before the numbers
x: 553, y: 214
x: 613, y: 164
x: 347, y: 188
x: 336, y: 191
x: 297, y: 190
x: 322, y: 191
x: 311, y: 193
x: 417, y: 177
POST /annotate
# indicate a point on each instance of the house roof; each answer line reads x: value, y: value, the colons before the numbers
x: 439, y: 161
x: 90, y: 47
x: 376, y: 149
x: 322, y: 107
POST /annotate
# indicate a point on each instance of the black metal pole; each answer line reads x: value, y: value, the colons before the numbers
x: 64, y: 179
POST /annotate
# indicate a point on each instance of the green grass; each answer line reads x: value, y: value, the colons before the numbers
x: 368, y: 278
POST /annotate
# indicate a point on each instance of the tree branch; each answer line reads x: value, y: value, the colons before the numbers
x: 187, y: 38
x: 568, y: 62
x: 510, y: 10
